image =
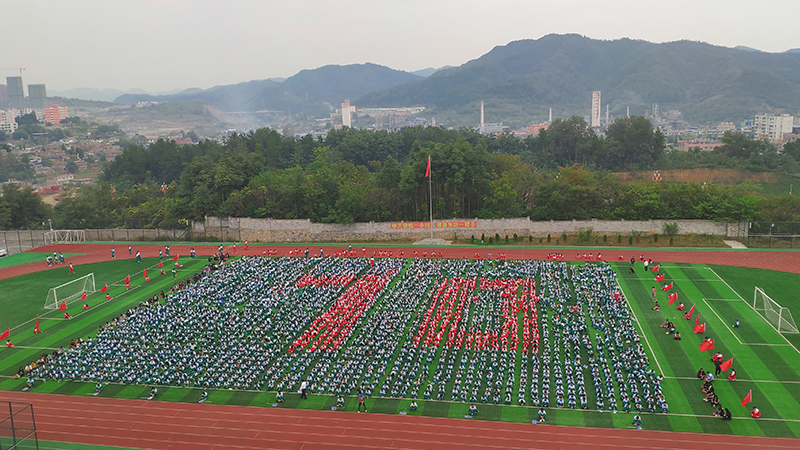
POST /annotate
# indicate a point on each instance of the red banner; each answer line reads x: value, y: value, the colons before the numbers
x: 410, y: 225
x: 457, y: 224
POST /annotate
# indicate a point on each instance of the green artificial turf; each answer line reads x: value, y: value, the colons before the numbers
x: 760, y: 368
x: 29, y: 257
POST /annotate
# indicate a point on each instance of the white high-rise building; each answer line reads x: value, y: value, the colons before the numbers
x: 773, y: 126
x: 595, y: 117
x: 346, y: 113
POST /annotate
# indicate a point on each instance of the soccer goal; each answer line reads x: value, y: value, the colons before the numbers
x: 64, y: 236
x: 69, y: 292
x: 778, y: 316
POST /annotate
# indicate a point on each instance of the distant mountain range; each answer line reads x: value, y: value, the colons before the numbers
x: 521, y: 80
x: 310, y: 92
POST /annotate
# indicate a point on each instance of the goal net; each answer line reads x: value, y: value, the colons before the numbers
x: 778, y: 316
x: 69, y: 292
x: 64, y: 236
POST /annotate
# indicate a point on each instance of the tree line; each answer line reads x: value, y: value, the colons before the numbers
x: 564, y: 173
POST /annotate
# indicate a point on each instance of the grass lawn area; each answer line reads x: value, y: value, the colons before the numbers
x: 765, y: 363
x: 29, y: 257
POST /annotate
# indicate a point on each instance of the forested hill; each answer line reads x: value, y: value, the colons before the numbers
x: 304, y: 92
x: 521, y: 80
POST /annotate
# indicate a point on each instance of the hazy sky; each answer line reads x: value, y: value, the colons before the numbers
x: 167, y: 44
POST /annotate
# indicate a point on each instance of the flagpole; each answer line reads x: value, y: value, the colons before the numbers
x: 430, y: 192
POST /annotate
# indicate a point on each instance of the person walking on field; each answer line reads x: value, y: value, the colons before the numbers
x: 303, y: 389
x: 71, y: 269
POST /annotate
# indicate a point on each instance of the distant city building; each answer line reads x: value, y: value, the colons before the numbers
x: 703, y: 146
x: 55, y: 114
x: 3, y: 95
x: 595, y: 117
x: 7, y: 122
x: 530, y: 130
x: 347, y: 112
x: 772, y: 127
x: 489, y: 128
x: 16, y: 95
x: 37, y: 95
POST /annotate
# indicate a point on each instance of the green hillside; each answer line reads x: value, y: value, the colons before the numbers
x: 520, y: 81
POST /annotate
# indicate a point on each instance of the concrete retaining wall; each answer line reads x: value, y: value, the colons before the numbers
x: 303, y: 230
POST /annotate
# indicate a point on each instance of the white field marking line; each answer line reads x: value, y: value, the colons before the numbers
x: 641, y: 328
x: 35, y: 348
x: 723, y: 322
x: 724, y: 299
x: 740, y: 380
x: 751, y: 306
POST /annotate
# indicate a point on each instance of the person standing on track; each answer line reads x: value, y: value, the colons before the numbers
x: 112, y: 253
x: 362, y: 398
x: 130, y: 251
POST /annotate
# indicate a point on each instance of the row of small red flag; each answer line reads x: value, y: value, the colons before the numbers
x: 698, y: 328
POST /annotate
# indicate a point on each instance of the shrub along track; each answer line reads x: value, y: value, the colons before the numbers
x: 176, y: 426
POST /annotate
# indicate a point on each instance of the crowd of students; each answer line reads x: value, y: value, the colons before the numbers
x: 470, y: 331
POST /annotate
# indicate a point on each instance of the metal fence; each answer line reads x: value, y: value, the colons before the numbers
x: 768, y: 234
x: 16, y: 241
x: 17, y: 427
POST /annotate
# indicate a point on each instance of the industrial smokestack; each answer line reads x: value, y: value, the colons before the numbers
x: 550, y: 119
x: 481, y: 112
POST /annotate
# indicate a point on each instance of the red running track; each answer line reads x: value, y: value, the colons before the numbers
x: 185, y: 426
x: 777, y: 260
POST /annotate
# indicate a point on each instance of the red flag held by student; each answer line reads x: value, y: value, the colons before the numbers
x: 659, y: 277
x: 83, y: 297
x: 144, y: 272
x: 104, y: 288
x: 127, y: 279
x: 707, y: 345
x: 672, y: 297
x: 175, y: 258
x: 726, y: 365
x: 700, y: 328
x: 63, y: 306
x: 655, y: 268
x: 747, y: 398
x: 697, y: 320
x: 5, y: 334
x: 691, y: 311
x: 667, y: 287
x: 36, y: 328
x: 160, y: 264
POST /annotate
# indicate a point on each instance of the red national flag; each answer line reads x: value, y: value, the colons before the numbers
x: 83, y: 297
x: 672, y: 297
x: 726, y: 365
x: 63, y: 306
x: 691, y: 311
x: 659, y: 277
x: 5, y: 334
x: 127, y: 279
x: 428, y: 170
x: 144, y: 272
x: 655, y: 268
x: 700, y: 328
x: 667, y: 287
x: 748, y: 397
x: 36, y: 328
x: 160, y: 264
x: 104, y: 288
x: 707, y: 345
x: 697, y: 320
x: 175, y: 258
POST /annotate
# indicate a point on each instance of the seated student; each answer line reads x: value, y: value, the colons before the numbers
x: 701, y: 374
x: 97, y: 389
x: 727, y: 415
x: 9, y: 344
x: 657, y: 307
x: 671, y: 328
x: 681, y: 307
x: 637, y: 422
x: 736, y: 324
x: 153, y: 393
x: 279, y: 397
x: 19, y: 374
x: 85, y: 306
x: 203, y: 397
x: 472, y: 410
x: 29, y: 383
x: 755, y: 413
x: 677, y: 336
x: 542, y: 415
x: 67, y: 316
x: 732, y: 376
x: 665, y: 324
x: 339, y: 401
x: 413, y: 406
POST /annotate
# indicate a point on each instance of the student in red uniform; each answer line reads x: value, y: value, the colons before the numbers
x: 755, y: 413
